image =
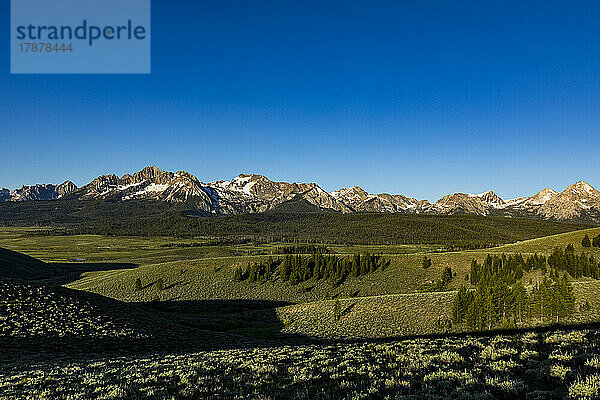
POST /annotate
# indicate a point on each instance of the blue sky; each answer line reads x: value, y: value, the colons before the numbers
x: 422, y: 98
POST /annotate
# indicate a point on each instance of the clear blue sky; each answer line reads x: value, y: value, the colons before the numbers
x: 422, y: 98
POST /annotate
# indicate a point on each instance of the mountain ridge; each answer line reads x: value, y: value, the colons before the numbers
x: 253, y: 193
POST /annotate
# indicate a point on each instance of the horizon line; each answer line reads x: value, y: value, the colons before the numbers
x: 507, y: 198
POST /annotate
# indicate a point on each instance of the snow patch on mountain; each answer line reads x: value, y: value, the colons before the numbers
x: 249, y: 193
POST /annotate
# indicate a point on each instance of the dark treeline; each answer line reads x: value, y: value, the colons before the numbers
x: 302, y: 249
x: 501, y: 300
x: 455, y: 232
x: 146, y: 218
x: 494, y: 304
x: 209, y: 243
x: 515, y: 265
x: 509, y: 267
x: 577, y: 265
x: 297, y: 268
x: 259, y: 271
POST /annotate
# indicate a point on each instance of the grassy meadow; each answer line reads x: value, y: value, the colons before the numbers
x: 385, y: 303
x: 154, y: 250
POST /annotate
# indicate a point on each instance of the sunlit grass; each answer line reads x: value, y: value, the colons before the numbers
x: 416, y: 368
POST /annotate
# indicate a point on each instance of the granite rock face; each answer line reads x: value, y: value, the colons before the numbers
x: 252, y: 193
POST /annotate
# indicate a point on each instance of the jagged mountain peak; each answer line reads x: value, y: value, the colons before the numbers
x: 260, y: 193
x: 354, y: 191
x: 152, y: 174
x: 104, y: 180
x: 582, y: 187
x: 242, y: 183
x: 358, y: 199
x: 543, y: 196
x: 537, y: 199
x: 462, y: 203
x: 580, y: 200
x: 152, y: 169
x: 39, y: 192
x: 65, y: 188
x: 4, y: 194
x: 547, y: 191
x: 248, y: 178
x: 150, y: 183
x: 251, y: 176
x: 492, y: 199
x: 248, y: 193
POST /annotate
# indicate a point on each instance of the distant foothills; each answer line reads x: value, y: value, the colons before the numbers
x: 256, y: 193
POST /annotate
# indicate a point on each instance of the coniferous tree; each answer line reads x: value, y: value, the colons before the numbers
x: 426, y: 263
x: 460, y: 305
x: 447, y: 276
x: 565, y: 292
x: 474, y: 274
x: 501, y: 300
x: 238, y: 274
x: 586, y: 242
x: 519, y: 301
x: 337, y: 310
x: 297, y: 268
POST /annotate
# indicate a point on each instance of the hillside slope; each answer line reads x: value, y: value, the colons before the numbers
x: 213, y: 278
x: 20, y: 266
x: 56, y: 319
x: 400, y: 315
x: 548, y: 243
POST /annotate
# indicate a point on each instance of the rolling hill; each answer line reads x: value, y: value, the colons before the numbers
x: 383, y: 303
x: 51, y: 319
x: 20, y: 266
x: 212, y: 278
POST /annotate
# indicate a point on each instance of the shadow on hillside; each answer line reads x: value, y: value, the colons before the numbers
x: 156, y: 327
x: 251, y: 319
x: 347, y: 310
x: 189, y: 326
x: 259, y: 319
x: 65, y: 273
x: 213, y: 306
x: 177, y: 339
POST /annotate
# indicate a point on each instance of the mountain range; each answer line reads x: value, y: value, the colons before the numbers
x: 256, y: 193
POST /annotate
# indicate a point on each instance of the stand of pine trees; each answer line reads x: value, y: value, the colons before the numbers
x: 500, y: 300
x: 297, y: 268
x: 493, y: 304
x: 260, y: 271
x: 512, y: 267
x: 577, y: 265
